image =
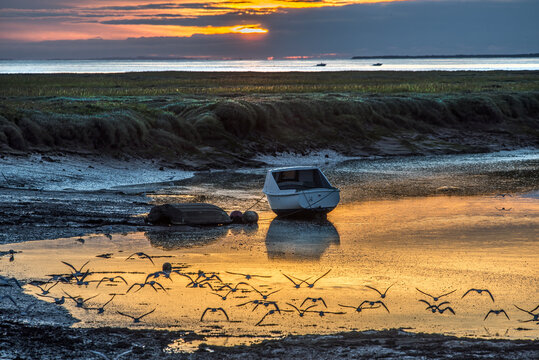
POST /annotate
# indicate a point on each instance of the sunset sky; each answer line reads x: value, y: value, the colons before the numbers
x: 85, y: 29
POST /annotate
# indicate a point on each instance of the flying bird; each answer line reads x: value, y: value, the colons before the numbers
x: 535, y: 316
x: 166, y: 274
x: 57, y: 301
x: 136, y: 319
x: 195, y: 283
x: 255, y: 302
x: 101, y: 309
x: 141, y: 285
x: 504, y: 195
x: 314, y: 301
x: 382, y: 295
x: 271, y: 312
x: 266, y: 304
x: 44, y: 289
x: 76, y: 272
x: 264, y: 295
x: 373, y: 303
x: 248, y: 276
x: 311, y: 285
x: 480, y: 292
x: 441, y: 311
x: 497, y: 312
x: 296, y: 284
x: 79, y: 301
x: 81, y: 281
x: 232, y: 289
x: 141, y: 255
x: 202, y: 274
x: 111, y: 279
x: 435, y: 298
x: 438, y: 307
x: 301, y: 312
x: 433, y: 307
x: 360, y: 307
x: 214, y: 310
x: 322, y: 313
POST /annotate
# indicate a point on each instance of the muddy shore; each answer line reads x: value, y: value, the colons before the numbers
x: 47, y: 200
x: 44, y: 330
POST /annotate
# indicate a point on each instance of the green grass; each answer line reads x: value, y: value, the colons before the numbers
x: 245, y: 83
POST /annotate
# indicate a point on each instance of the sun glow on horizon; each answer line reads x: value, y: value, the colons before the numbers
x: 249, y: 29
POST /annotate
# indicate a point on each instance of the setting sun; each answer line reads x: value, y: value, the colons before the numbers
x: 249, y: 29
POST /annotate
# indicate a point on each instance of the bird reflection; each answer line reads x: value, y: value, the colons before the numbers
x: 297, y: 239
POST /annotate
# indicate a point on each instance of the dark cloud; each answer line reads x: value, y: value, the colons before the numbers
x: 194, y: 5
x: 228, y: 19
x: 404, y: 28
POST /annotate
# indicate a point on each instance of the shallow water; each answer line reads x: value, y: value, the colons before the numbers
x: 307, y: 65
x: 437, y: 244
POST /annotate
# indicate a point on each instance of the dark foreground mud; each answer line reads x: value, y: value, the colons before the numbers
x: 40, y: 330
x: 49, y: 342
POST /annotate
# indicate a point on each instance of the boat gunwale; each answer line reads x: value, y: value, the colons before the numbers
x: 299, y: 192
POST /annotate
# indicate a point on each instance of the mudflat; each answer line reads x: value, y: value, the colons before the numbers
x: 413, y: 228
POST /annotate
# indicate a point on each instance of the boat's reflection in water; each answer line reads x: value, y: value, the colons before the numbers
x: 297, y: 239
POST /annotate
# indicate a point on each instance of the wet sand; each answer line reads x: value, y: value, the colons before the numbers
x: 437, y: 243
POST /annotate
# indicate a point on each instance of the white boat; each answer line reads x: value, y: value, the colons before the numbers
x: 301, y: 190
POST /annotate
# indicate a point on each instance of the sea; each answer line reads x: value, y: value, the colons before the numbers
x: 304, y: 65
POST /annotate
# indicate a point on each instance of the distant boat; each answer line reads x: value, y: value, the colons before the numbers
x: 377, y: 64
x: 302, y: 190
x: 321, y: 64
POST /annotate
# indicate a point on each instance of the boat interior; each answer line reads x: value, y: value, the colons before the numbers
x: 301, y: 179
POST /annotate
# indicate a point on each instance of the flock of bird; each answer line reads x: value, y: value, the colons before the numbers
x: 83, y: 276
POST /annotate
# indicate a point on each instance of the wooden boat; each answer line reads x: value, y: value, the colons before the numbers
x: 302, y: 190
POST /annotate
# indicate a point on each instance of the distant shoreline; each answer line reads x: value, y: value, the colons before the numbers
x: 533, y: 55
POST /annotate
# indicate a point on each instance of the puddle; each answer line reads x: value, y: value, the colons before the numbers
x: 434, y: 244
x: 182, y: 346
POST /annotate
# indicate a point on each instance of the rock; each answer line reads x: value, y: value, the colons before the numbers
x: 250, y: 217
x: 236, y: 217
x: 187, y: 214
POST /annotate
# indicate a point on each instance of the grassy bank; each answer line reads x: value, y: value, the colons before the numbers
x: 242, y: 83
x: 230, y: 129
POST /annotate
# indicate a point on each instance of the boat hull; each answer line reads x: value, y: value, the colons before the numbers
x: 304, y: 203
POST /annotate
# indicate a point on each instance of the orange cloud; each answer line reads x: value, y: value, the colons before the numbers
x: 85, y: 20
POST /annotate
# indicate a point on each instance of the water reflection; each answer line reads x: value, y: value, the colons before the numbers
x: 183, y: 237
x: 296, y: 239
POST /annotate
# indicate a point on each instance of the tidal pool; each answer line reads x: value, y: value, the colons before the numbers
x: 436, y: 244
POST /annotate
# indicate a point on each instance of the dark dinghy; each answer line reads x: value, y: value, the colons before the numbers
x: 188, y: 214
